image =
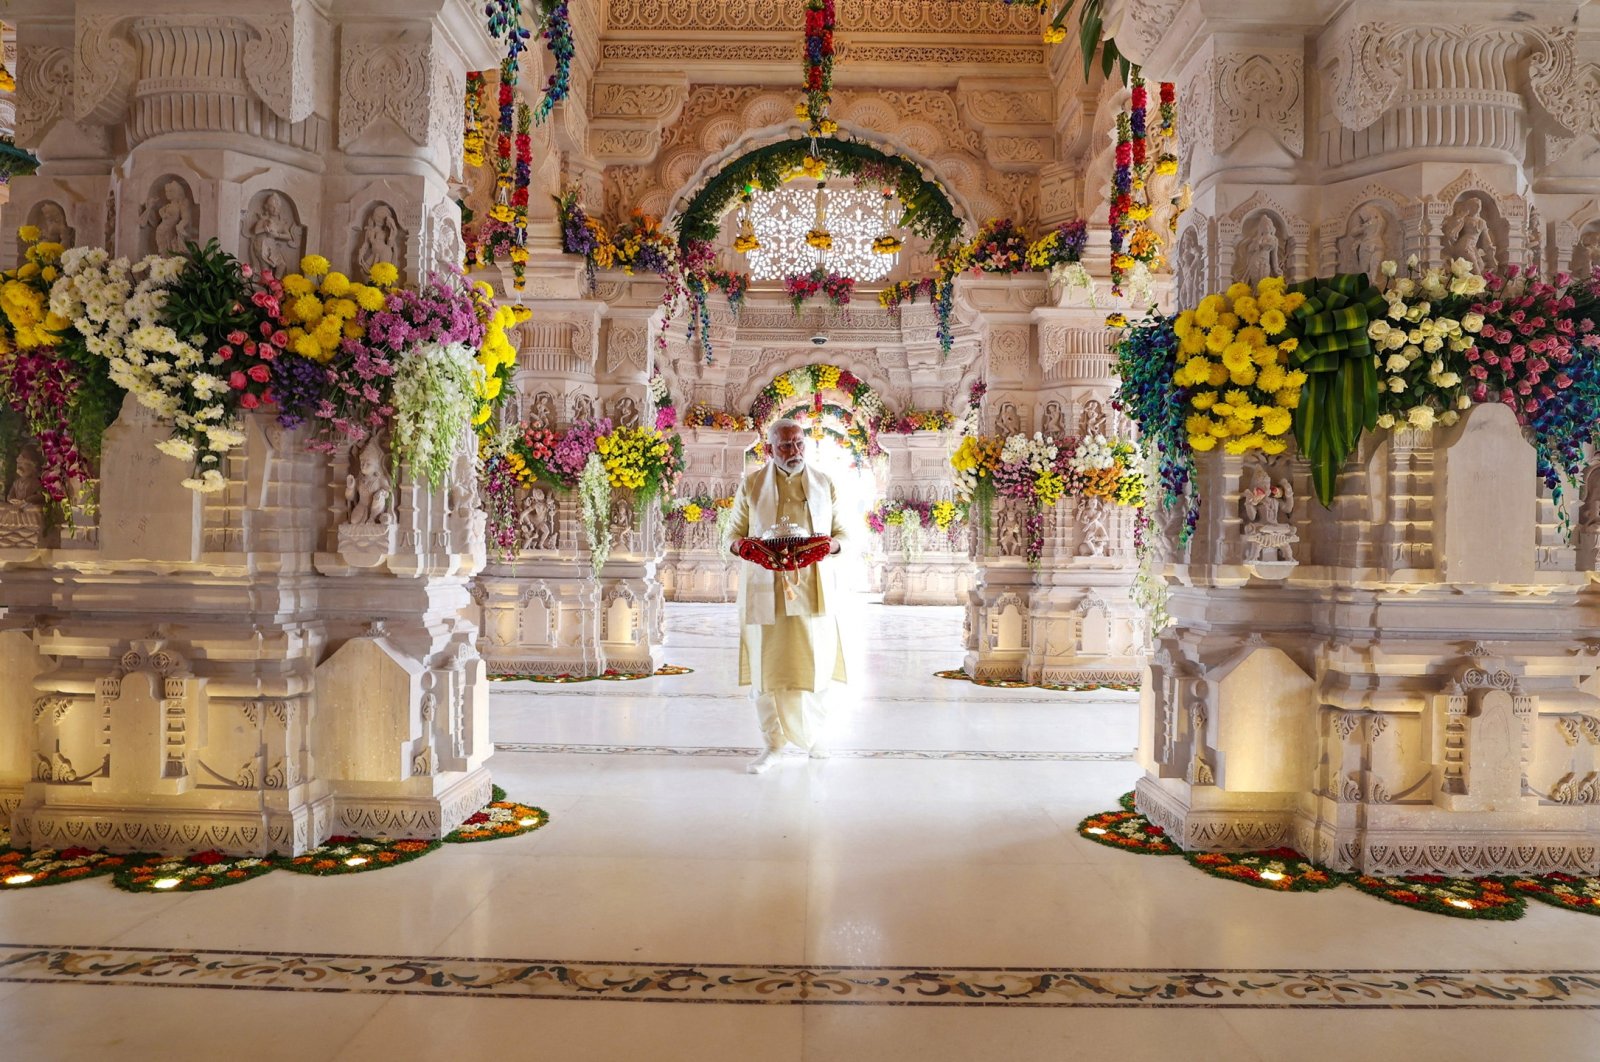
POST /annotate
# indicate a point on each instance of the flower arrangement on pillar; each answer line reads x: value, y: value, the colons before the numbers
x: 1343, y: 355
x: 1040, y: 471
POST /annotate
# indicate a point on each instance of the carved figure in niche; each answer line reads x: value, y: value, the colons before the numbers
x: 1008, y: 422
x: 539, y: 520
x: 621, y: 518
x: 1467, y: 235
x: 1055, y: 422
x: 462, y: 495
x: 1094, y: 533
x: 1008, y: 532
x: 368, y: 491
x: 51, y: 221
x: 544, y: 412
x: 582, y: 407
x: 1586, y: 255
x: 1164, y: 207
x: 1265, y: 507
x: 380, y: 238
x: 272, y: 236
x: 26, y: 488
x: 1260, y: 252
x: 1367, y: 242
x: 625, y: 412
x: 1191, y: 268
x: 170, y: 213
x: 1093, y: 420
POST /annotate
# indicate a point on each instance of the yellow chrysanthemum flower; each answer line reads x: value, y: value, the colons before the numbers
x: 335, y: 284
x: 314, y: 265
x: 1273, y: 322
x: 1204, y: 400
x: 386, y: 274
x: 1239, y: 290
x: 1276, y: 421
x: 1288, y: 398
x: 1218, y: 339
x: 1202, y: 443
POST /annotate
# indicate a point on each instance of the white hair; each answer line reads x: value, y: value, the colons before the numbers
x: 782, y: 424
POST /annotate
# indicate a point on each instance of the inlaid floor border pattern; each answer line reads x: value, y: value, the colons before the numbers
x: 715, y: 983
x: 1009, y: 755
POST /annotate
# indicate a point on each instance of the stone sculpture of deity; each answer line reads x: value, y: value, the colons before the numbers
x: 1055, y: 422
x: 1261, y: 252
x: 171, y: 215
x: 582, y: 407
x: 272, y: 236
x: 1265, y: 507
x: 380, y: 238
x: 1094, y: 532
x: 544, y: 412
x: 1586, y: 255
x: 1467, y: 235
x: 1368, y: 242
x: 368, y: 491
x: 1009, y: 532
x: 625, y: 412
x: 1008, y: 422
x: 26, y: 486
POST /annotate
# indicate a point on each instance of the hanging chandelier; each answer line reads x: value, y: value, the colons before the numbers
x: 819, y: 236
x: 888, y: 241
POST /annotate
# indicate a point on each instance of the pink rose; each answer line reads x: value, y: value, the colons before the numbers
x: 238, y: 381
x: 245, y: 270
x: 280, y: 338
x: 224, y: 352
x: 249, y: 401
x: 266, y: 352
x: 260, y: 373
x: 236, y: 337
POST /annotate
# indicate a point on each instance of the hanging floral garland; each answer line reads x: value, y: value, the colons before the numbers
x: 473, y: 140
x: 558, y: 40
x: 818, y: 67
x: 519, y: 198
x: 835, y: 287
x: 1121, y: 202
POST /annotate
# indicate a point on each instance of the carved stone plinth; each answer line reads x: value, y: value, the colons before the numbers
x: 259, y: 697
x: 1417, y: 694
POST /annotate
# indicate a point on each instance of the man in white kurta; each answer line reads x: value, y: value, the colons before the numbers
x: 789, y: 644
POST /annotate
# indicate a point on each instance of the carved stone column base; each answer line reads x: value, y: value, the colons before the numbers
x: 377, y: 809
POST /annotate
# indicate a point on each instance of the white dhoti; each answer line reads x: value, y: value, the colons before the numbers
x: 788, y: 665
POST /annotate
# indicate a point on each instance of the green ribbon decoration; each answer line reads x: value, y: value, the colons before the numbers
x: 1340, y: 399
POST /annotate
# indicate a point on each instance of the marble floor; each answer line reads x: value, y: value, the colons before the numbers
x: 920, y: 895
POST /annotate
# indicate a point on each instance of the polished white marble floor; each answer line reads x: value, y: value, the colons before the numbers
x: 939, y: 841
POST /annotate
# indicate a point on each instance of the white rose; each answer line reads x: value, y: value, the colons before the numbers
x: 1386, y: 420
x: 1389, y: 268
x: 1420, y: 417
x: 1463, y: 402
x: 1433, y: 344
x: 1396, y: 384
x: 1449, y: 417
x: 1448, y: 379
x: 1472, y: 322
x: 1378, y: 329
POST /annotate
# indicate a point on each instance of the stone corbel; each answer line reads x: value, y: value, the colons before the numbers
x: 1367, y: 74
x: 629, y: 110
x: 104, y: 70
x: 1564, y: 76
x: 281, y: 63
x: 407, y: 80
x: 1016, y: 120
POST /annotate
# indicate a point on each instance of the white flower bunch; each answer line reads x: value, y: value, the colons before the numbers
x: 116, y: 307
x: 1094, y: 453
x: 435, y: 389
x: 1418, y: 342
x: 1036, y: 452
x: 659, y: 395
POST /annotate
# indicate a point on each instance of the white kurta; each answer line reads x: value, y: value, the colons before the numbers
x: 789, y: 646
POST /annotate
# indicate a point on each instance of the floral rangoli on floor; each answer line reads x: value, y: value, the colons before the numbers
x: 1285, y: 870
x: 338, y: 855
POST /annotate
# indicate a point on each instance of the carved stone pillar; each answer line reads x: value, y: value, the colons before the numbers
x: 924, y: 566
x: 255, y: 668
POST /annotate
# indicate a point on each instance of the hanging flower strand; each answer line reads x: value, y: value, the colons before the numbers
x: 558, y: 40
x: 1121, y: 201
x: 818, y: 65
x: 519, y: 197
x: 473, y: 140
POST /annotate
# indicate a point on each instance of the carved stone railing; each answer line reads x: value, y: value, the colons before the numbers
x: 250, y: 670
x: 1399, y: 684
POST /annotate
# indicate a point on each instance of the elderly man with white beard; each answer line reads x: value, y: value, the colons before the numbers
x: 789, y: 643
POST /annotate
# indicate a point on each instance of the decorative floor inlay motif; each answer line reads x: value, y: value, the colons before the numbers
x: 803, y: 985
x: 837, y: 754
